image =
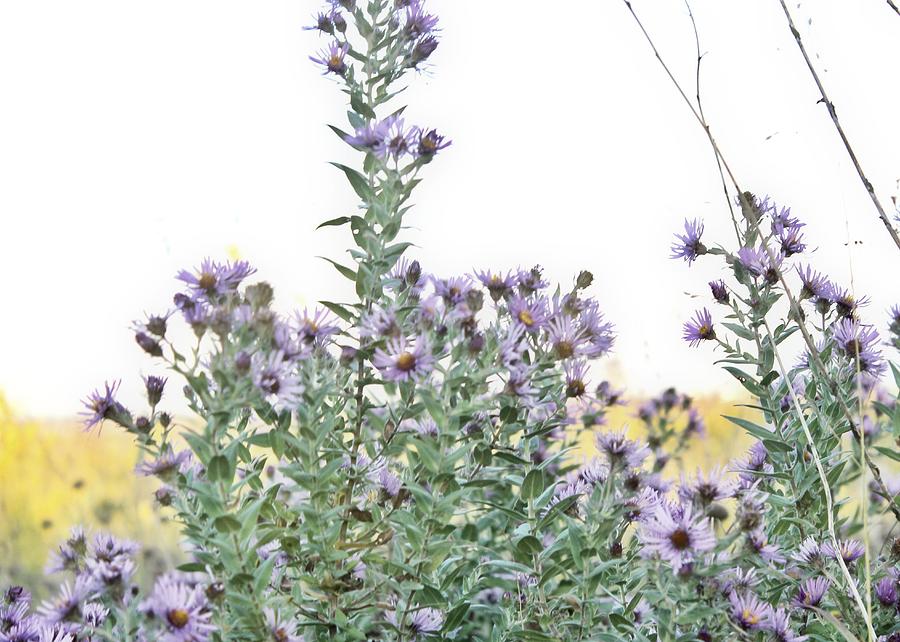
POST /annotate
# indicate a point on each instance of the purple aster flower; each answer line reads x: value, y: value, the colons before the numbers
x: 332, y: 58
x: 12, y: 615
x: 706, y: 490
x: 748, y: 611
x: 700, y: 328
x: 428, y: 143
x: 719, y: 291
x: 103, y: 405
x: 809, y: 552
x: 791, y: 239
x: 182, y: 610
x: 850, y: 550
x: 274, y: 377
x: 813, y: 284
x: 370, y: 136
x: 564, y: 491
x: 576, y: 373
x: 316, y: 328
x: 756, y: 461
x: 530, y: 281
x: 15, y: 595
x: 453, y: 290
x: 421, y: 620
x: 498, y: 284
x: 404, y: 359
x: 423, y: 50
x: 282, y: 629
x: 94, y: 615
x: 379, y: 322
x: 846, y: 304
x: 418, y: 22
x: 110, y: 559
x: 811, y: 592
x: 739, y: 580
x: 215, y: 279
x: 759, y: 543
x: 757, y: 262
x: 532, y: 314
x: 55, y: 634
x: 397, y: 141
x: 782, y: 219
x: 688, y: 245
x: 594, y: 472
x: 778, y: 623
x: 620, y: 451
x: 324, y: 23
x: 695, y: 424
x: 674, y: 535
x: 641, y: 506
x: 155, y: 387
x: 598, y: 332
x: 67, y: 603
x: 166, y: 464
x: 886, y: 591
x: 518, y: 384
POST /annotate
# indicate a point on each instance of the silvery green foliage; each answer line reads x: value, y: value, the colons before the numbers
x: 402, y: 466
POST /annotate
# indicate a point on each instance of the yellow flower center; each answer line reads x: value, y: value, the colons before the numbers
x: 207, y: 281
x: 178, y: 618
x: 750, y: 617
x: 526, y: 318
x: 406, y: 362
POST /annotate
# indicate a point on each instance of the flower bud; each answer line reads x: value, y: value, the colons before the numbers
x: 242, y: 362
x: 164, y: 419
x: 143, y: 424
x: 155, y: 387
x: 259, y: 295
x: 584, y: 280
x: 476, y: 343
x: 475, y: 300
x: 148, y: 344
x: 163, y: 496
x: 156, y: 325
x: 413, y: 273
x: 348, y: 355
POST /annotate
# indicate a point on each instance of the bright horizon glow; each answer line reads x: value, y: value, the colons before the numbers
x: 136, y: 139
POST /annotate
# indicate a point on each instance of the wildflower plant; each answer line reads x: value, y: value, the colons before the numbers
x: 403, y: 466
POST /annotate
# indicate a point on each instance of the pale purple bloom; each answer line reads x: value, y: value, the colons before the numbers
x: 213, y: 278
x: 700, y: 328
x: 428, y: 143
x: 596, y: 329
x: 332, y: 58
x: 421, y: 620
x: 498, y: 284
x: 778, y: 623
x: 621, y: 451
x: 705, y: 489
x: 69, y: 600
x: 809, y: 552
x: 813, y: 284
x: 564, y: 491
x: 886, y: 591
x: 404, y: 359
x: 695, y: 424
x: 782, y: 219
x: 94, y: 614
x: 739, y: 580
x: 182, y: 610
x: 858, y: 342
x: 165, y: 464
x: 316, y: 328
x: 576, y: 373
x: 846, y: 304
x: 532, y: 314
x: 748, y: 611
x: 672, y: 533
x: 275, y: 378
x: 379, y: 322
x: 453, y: 290
x: 641, y: 507
x: 719, y: 291
x: 758, y: 541
x: 102, y: 405
x: 850, y: 550
x: 688, y: 245
x: 811, y: 592
x: 369, y: 136
x: 755, y: 260
x: 594, y: 472
x: 530, y: 281
x: 791, y: 239
x: 281, y: 628
x: 418, y: 22
x: 756, y: 461
x: 397, y: 140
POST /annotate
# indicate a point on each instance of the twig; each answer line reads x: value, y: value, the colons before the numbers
x: 737, y: 232
x: 893, y: 6
x: 837, y: 124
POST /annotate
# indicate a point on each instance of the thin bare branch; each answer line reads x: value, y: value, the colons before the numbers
x: 837, y: 124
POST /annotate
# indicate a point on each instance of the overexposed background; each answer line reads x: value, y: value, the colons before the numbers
x: 137, y: 138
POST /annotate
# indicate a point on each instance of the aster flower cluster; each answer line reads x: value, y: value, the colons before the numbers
x: 402, y: 465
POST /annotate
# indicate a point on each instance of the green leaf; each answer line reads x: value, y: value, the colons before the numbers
x: 891, y: 453
x: 340, y: 220
x: 358, y: 182
x: 533, y: 484
x: 339, y: 310
x: 740, y: 331
x: 344, y: 270
x: 218, y: 469
x: 227, y: 524
x: 757, y: 431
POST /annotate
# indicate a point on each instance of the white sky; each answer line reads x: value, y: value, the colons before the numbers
x: 138, y: 137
